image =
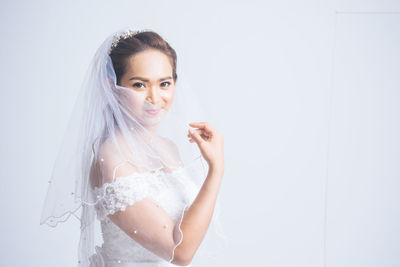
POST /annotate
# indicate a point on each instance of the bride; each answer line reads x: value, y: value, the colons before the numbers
x: 136, y: 164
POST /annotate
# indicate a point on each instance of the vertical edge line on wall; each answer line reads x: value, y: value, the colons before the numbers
x: 330, y: 107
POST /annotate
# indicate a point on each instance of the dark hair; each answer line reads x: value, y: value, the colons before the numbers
x: 138, y: 43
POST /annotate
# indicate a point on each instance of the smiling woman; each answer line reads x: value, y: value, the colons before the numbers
x: 142, y: 75
x: 137, y: 166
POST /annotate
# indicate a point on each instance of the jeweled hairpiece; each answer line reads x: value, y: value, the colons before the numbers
x: 125, y: 35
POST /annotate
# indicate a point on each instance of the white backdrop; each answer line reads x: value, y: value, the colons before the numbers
x: 305, y: 92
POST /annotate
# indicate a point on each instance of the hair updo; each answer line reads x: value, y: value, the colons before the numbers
x: 137, y: 43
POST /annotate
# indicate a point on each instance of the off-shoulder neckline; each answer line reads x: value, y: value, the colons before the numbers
x: 155, y: 173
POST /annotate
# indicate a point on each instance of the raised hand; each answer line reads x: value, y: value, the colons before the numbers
x: 210, y: 143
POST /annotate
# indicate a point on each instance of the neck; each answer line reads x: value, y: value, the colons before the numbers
x: 147, y: 132
x: 151, y: 130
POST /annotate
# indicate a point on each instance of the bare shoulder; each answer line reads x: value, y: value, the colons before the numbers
x: 115, y: 158
x: 170, y: 144
x: 109, y: 150
x: 174, y: 151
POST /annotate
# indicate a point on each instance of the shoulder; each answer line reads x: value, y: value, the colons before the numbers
x: 173, y: 152
x: 170, y: 144
x: 173, y: 148
x: 115, y: 147
x: 109, y: 150
x: 114, y: 158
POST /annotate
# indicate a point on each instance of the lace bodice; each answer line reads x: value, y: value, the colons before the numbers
x: 170, y: 190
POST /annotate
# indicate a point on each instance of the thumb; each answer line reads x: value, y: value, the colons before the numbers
x: 196, y: 136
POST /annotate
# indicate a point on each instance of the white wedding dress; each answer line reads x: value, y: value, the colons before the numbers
x: 170, y: 190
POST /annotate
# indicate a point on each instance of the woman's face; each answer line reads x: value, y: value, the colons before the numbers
x: 149, y: 76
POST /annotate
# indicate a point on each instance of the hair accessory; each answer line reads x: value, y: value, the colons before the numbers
x: 127, y: 34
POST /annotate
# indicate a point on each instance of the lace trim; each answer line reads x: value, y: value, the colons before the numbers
x: 126, y: 190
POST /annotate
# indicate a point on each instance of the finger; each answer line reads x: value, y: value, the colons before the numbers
x: 190, y: 138
x: 200, y: 132
x: 196, y: 136
x: 197, y: 123
x: 203, y: 133
x: 206, y: 136
x: 203, y: 125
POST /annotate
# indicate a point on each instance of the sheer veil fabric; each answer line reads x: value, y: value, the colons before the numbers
x: 108, y: 138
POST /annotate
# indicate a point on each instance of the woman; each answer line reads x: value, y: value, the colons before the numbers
x: 135, y: 168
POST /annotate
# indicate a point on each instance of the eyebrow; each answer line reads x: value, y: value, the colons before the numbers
x: 146, y: 80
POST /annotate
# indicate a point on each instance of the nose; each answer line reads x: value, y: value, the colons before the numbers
x: 153, y: 96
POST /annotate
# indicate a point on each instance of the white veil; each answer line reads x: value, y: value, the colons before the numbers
x: 107, y: 137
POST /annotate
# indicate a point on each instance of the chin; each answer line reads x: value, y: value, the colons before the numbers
x: 151, y: 121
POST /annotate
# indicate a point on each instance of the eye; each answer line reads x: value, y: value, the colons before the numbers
x: 165, y: 84
x: 138, y: 85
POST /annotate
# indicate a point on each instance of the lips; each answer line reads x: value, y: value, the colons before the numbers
x: 152, y: 111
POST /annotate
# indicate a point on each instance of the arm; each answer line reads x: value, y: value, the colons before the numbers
x: 197, y: 218
x: 148, y: 223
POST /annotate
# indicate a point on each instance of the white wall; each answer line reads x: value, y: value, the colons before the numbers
x: 305, y: 92
x: 363, y: 227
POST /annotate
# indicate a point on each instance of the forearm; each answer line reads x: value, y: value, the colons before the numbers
x: 197, y: 218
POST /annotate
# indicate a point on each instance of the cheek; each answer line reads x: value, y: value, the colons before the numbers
x: 136, y: 100
x: 168, y: 97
